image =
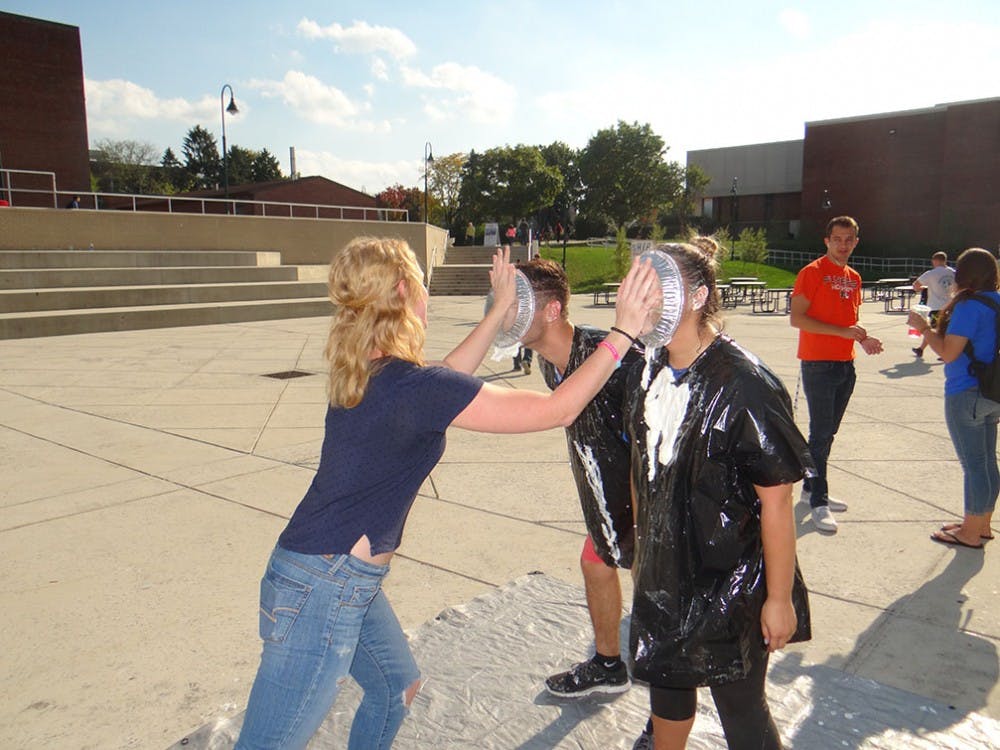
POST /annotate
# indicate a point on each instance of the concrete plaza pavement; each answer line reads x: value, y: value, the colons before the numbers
x: 147, y: 474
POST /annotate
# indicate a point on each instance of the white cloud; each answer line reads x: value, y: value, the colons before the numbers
x: 379, y: 69
x: 361, y: 37
x: 369, y: 89
x: 372, y: 177
x: 113, y: 104
x: 317, y: 102
x: 796, y: 23
x: 477, y: 95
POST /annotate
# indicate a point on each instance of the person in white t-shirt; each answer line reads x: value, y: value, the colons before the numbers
x: 938, y: 282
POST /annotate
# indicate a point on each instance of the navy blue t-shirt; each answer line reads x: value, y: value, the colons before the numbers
x: 375, y: 457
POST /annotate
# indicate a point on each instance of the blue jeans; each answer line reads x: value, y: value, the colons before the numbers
x: 828, y: 387
x: 323, y: 617
x: 972, y: 424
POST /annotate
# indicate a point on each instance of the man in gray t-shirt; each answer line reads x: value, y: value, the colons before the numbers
x: 938, y: 282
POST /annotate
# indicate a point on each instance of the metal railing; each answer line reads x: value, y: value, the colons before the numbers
x: 50, y: 196
x: 860, y: 263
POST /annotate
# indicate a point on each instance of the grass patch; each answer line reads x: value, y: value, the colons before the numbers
x: 589, y: 267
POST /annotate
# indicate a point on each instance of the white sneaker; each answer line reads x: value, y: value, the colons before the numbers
x: 823, y: 520
x: 837, y: 506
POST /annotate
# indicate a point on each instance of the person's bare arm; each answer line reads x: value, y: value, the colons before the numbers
x: 948, y: 347
x: 496, y: 409
x: 800, y: 319
x: 469, y: 354
x: 777, y: 531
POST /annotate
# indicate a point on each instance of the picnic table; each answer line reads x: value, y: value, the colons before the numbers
x: 897, y: 300
x: 884, y: 288
x: 778, y: 300
x: 726, y: 295
x: 607, y: 290
x: 744, y: 288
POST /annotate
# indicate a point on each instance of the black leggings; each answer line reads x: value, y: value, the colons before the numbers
x: 742, y: 707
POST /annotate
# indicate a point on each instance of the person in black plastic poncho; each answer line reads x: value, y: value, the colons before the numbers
x: 715, y: 452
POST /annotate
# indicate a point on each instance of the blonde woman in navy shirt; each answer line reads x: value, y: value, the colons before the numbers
x: 323, y: 615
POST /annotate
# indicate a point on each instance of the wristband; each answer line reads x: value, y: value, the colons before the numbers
x: 614, y: 352
x: 631, y: 338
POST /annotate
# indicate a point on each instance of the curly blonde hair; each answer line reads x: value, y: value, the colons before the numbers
x: 372, y: 313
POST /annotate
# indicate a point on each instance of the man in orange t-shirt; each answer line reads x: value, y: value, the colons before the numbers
x: 825, y: 304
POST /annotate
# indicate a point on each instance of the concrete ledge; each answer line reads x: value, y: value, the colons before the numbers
x: 84, y: 258
x: 83, y: 298
x: 30, y: 325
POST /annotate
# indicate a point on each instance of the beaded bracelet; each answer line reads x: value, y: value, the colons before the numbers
x: 631, y: 338
x: 614, y: 352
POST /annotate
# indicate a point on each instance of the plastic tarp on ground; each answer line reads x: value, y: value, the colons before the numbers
x: 484, y: 663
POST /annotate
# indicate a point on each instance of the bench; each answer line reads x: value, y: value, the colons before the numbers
x: 608, y: 290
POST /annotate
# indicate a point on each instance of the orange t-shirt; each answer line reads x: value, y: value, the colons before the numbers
x: 834, y: 295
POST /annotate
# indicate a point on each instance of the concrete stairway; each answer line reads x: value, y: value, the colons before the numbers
x: 466, y: 270
x: 56, y: 292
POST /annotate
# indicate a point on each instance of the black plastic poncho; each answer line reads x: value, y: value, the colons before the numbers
x: 700, y: 442
x: 599, y: 453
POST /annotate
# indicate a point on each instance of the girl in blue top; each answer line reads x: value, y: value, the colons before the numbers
x: 971, y: 417
x: 323, y: 615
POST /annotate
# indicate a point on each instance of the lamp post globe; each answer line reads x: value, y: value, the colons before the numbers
x: 428, y: 158
x: 232, y: 109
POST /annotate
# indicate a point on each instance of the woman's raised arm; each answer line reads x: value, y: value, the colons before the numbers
x: 497, y: 409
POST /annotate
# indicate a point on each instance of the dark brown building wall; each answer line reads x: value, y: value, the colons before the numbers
x: 916, y: 181
x: 970, y: 184
x: 43, y: 118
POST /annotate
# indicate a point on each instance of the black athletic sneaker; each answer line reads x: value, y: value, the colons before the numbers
x: 587, y: 678
x: 643, y: 742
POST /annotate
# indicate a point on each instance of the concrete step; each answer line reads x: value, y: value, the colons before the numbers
x: 460, y: 280
x: 133, y: 258
x: 479, y: 254
x: 36, y: 300
x: 95, y: 277
x: 60, y: 323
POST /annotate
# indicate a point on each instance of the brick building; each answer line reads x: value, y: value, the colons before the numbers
x: 917, y: 181
x: 43, y: 116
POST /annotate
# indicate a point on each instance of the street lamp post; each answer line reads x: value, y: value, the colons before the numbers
x: 231, y: 109
x: 428, y: 158
x: 733, y: 216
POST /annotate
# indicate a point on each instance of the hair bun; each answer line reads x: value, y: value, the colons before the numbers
x: 708, y: 246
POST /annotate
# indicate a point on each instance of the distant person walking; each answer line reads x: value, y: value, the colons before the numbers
x: 75, y: 203
x: 937, y: 283
x: 826, y: 301
x: 470, y: 234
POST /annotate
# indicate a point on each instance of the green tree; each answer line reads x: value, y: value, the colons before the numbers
x: 625, y: 175
x: 127, y: 166
x: 396, y: 196
x: 688, y: 201
x: 444, y: 183
x: 201, y: 158
x: 239, y: 165
x: 174, y: 174
x: 265, y: 167
x: 752, y: 245
x: 623, y: 253
x: 508, y: 183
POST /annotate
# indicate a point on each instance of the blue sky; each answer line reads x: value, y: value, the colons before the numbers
x: 359, y: 87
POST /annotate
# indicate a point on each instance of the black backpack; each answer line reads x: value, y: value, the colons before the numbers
x: 987, y: 374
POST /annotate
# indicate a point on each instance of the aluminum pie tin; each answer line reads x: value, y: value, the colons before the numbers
x: 663, y: 320
x: 518, y: 318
